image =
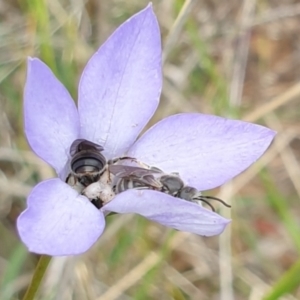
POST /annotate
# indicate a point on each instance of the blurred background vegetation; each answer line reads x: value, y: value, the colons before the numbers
x: 237, y: 59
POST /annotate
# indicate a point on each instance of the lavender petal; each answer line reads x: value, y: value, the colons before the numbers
x: 50, y: 115
x: 58, y: 221
x: 120, y: 87
x: 169, y: 211
x: 205, y: 150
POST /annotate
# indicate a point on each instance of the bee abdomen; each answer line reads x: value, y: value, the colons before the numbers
x: 127, y: 184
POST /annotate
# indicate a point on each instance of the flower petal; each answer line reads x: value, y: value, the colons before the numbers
x: 169, y: 211
x: 120, y: 87
x: 50, y: 115
x: 206, y: 150
x: 58, y: 221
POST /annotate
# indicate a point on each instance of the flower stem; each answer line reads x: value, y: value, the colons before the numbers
x: 37, y: 278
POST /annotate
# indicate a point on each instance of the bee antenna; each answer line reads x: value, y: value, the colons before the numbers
x: 203, y: 200
x: 214, y: 198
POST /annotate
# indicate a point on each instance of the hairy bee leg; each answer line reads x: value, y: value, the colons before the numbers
x: 107, y: 176
x: 74, y: 183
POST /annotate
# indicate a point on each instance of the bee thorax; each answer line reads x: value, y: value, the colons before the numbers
x: 172, y: 183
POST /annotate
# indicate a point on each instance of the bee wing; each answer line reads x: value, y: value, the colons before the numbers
x: 141, y: 175
x: 130, y: 171
x: 82, y: 144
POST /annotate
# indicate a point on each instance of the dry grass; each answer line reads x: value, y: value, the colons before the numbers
x: 236, y: 59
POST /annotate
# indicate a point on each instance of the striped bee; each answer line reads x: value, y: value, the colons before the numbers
x: 89, y: 174
x: 87, y: 163
x: 100, y: 180
x: 133, y: 177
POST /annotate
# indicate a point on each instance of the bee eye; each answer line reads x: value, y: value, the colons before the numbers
x: 187, y: 193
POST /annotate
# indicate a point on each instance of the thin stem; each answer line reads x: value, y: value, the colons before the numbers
x: 37, y: 278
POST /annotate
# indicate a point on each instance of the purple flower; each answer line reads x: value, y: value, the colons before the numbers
x: 119, y: 91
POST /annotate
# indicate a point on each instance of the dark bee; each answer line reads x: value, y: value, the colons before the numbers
x: 89, y: 175
x: 89, y: 172
x: 87, y: 163
x: 131, y: 177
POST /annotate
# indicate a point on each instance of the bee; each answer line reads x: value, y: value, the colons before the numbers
x: 89, y: 174
x: 100, y: 180
x: 87, y: 163
x: 132, y: 177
